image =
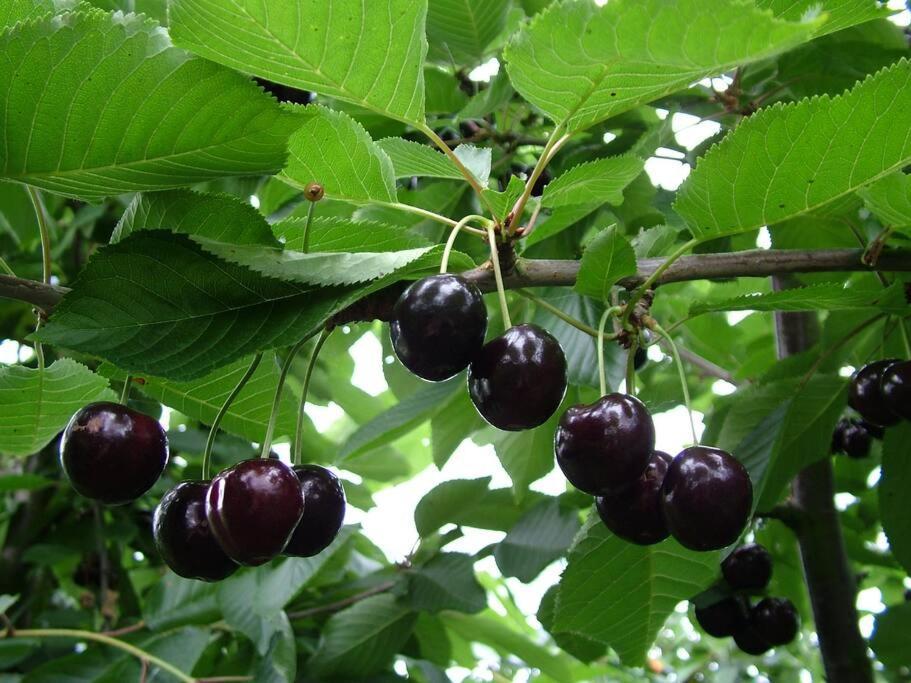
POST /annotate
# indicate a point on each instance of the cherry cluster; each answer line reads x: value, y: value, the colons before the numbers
x: 880, y: 393
x: 755, y: 628
x: 247, y: 515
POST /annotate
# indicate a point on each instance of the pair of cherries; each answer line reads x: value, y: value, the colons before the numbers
x: 702, y: 497
x: 516, y: 381
x: 758, y: 628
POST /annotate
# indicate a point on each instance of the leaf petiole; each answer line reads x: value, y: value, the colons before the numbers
x: 461, y: 225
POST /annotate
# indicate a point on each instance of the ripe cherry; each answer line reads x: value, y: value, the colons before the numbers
x: 519, y: 378
x: 896, y: 388
x: 184, y: 538
x: 852, y: 437
x: 749, y: 567
x: 723, y: 618
x: 605, y: 446
x: 253, y: 508
x: 438, y: 326
x: 749, y: 640
x: 866, y: 395
x: 113, y: 453
x: 324, y: 511
x: 635, y: 514
x: 707, y: 498
x: 775, y: 620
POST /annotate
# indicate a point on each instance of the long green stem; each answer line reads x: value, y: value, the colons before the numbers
x: 682, y: 373
x: 5, y: 267
x: 602, y: 372
x: 461, y: 225
x: 310, y: 210
x: 125, y: 392
x: 299, y: 432
x: 469, y: 176
x: 225, y: 407
x: 568, y: 319
x: 418, y: 211
x: 653, y: 278
x: 276, y: 402
x: 554, y: 142
x: 498, y: 276
x: 45, y: 234
x: 139, y: 653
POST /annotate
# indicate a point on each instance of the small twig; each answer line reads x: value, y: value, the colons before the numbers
x: 704, y: 365
x: 786, y: 513
x: 126, y: 630
x: 103, y: 564
x: 342, y: 604
x: 144, y: 671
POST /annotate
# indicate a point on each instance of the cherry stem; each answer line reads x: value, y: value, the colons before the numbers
x: 682, y: 374
x: 125, y: 392
x: 44, y: 231
x: 554, y: 142
x: 498, y: 276
x: 276, y: 402
x: 299, y: 432
x: 306, y: 247
x: 139, y: 653
x: 213, y: 430
x: 653, y: 278
x: 461, y: 225
x: 602, y: 372
x: 568, y: 319
x: 418, y: 211
x: 469, y: 176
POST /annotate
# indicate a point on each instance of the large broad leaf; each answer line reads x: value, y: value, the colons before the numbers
x: 360, y: 640
x: 840, y: 14
x: 367, y: 53
x: 893, y: 493
x: 462, y: 30
x: 14, y: 11
x: 790, y: 159
x: 36, y: 404
x: 635, y: 588
x: 447, y: 581
x: 581, y: 63
x: 890, y: 200
x: 175, y: 601
x: 607, y: 259
x: 593, y: 183
x: 334, y: 150
x: 821, y: 297
x: 96, y: 104
x: 219, y: 217
x: 197, y: 312
x: 540, y: 537
x: 414, y: 159
x: 890, y: 637
x: 346, y: 235
x: 181, y: 649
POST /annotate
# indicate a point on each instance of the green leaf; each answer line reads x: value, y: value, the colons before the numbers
x: 199, y: 313
x: 36, y: 404
x: 820, y: 297
x: 803, y: 148
x: 502, y: 202
x: 14, y: 11
x: 462, y: 30
x: 175, y: 601
x: 498, y: 94
x: 542, y: 535
x: 90, y: 72
x: 839, y: 14
x: 401, y: 418
x: 637, y: 588
x: 608, y: 258
x: 414, y: 159
x: 447, y: 581
x: 455, y: 422
x: 890, y: 200
x: 361, y: 640
x: 344, y: 234
x: 334, y: 150
x: 23, y: 482
x: 581, y: 647
x: 477, y: 160
x: 893, y: 491
x: 182, y: 649
x: 581, y: 63
x: 219, y: 217
x: 279, y: 664
x: 595, y: 182
x: 370, y: 54
x: 890, y: 636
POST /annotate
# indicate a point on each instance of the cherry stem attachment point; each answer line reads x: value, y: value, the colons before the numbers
x: 299, y: 431
x: 682, y: 373
x: 125, y: 392
x: 213, y: 430
x: 498, y: 276
x: 461, y: 225
x: 276, y: 402
x: 652, y: 279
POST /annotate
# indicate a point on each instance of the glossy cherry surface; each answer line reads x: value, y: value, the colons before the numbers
x: 519, y: 378
x: 866, y: 394
x: 634, y: 513
x: 253, y: 508
x: 852, y: 437
x: 749, y: 567
x: 706, y: 497
x: 896, y: 388
x: 775, y: 620
x: 438, y: 326
x: 605, y: 446
x: 112, y: 453
x: 324, y: 511
x: 183, y: 535
x: 723, y: 618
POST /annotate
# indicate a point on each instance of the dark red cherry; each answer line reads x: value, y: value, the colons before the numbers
x: 749, y: 567
x: 896, y: 388
x: 749, y: 640
x: 253, y: 508
x: 605, y: 447
x: 707, y: 498
x: 775, y: 620
x: 438, y: 326
x: 723, y: 618
x: 324, y: 511
x: 519, y: 378
x: 852, y: 438
x: 183, y: 536
x: 113, y: 453
x: 875, y: 431
x: 634, y: 513
x: 866, y: 395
